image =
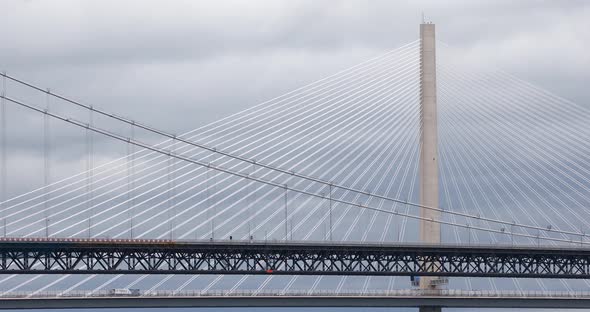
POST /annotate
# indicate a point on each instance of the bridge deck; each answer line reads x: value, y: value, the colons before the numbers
x: 43, y: 242
x: 396, y: 298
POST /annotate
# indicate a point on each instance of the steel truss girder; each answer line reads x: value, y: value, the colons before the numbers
x: 130, y: 257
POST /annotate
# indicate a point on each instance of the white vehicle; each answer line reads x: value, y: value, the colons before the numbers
x: 120, y: 292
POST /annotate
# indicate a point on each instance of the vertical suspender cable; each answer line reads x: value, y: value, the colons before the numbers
x: 254, y: 192
x: 208, y: 200
x: 129, y: 178
x: 128, y: 171
x: 168, y: 199
x: 214, y: 206
x: 252, y: 198
x: 330, y: 211
x: 46, y: 162
x: 286, y: 213
x: 89, y: 172
x: 88, y: 205
x: 169, y: 193
x: 3, y: 154
x: 173, y: 190
x: 132, y: 180
x: 326, y: 223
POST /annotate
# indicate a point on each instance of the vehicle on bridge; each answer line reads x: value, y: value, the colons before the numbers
x: 118, y: 292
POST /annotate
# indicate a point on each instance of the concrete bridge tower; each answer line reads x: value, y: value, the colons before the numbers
x: 429, y: 231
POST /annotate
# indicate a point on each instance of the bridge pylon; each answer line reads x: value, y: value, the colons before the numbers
x: 429, y: 182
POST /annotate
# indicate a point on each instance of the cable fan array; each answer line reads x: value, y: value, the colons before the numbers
x: 336, y: 159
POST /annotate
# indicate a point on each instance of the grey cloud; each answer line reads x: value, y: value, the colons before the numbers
x: 179, y: 65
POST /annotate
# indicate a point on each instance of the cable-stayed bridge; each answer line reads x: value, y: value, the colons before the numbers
x: 322, y: 184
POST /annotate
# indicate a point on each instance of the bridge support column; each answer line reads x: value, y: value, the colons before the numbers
x: 429, y: 231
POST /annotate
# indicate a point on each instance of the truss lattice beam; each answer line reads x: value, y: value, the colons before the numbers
x: 295, y: 258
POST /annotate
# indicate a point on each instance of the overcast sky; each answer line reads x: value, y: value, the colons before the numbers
x: 181, y: 64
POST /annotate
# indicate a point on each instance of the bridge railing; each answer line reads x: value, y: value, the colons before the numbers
x: 573, y: 244
x: 301, y: 293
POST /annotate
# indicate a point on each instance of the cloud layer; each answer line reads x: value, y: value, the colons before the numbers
x: 181, y: 64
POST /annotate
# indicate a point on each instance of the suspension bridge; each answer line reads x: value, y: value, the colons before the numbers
x: 468, y: 181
